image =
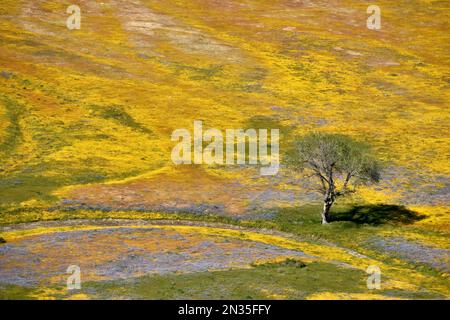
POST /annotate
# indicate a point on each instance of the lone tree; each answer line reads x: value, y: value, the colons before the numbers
x: 338, y: 162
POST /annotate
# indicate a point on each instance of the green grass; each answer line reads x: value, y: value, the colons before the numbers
x: 119, y: 115
x: 249, y: 283
x: 256, y: 283
x: 14, y: 292
x: 271, y: 281
x: 13, y: 134
x: 305, y: 222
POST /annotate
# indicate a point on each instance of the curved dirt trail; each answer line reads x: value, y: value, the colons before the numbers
x: 40, y: 255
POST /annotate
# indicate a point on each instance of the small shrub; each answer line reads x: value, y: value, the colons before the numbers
x: 289, y: 262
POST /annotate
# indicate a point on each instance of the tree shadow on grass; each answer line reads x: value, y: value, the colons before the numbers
x: 378, y: 214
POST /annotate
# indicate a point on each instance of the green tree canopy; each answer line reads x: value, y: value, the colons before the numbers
x: 337, y: 161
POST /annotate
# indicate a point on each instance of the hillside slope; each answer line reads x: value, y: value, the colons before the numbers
x: 86, y: 118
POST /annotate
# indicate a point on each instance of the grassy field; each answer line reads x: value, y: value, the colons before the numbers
x: 344, y: 249
x: 86, y: 118
x: 274, y: 281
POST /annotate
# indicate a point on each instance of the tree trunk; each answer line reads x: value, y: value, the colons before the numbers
x: 328, y: 202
